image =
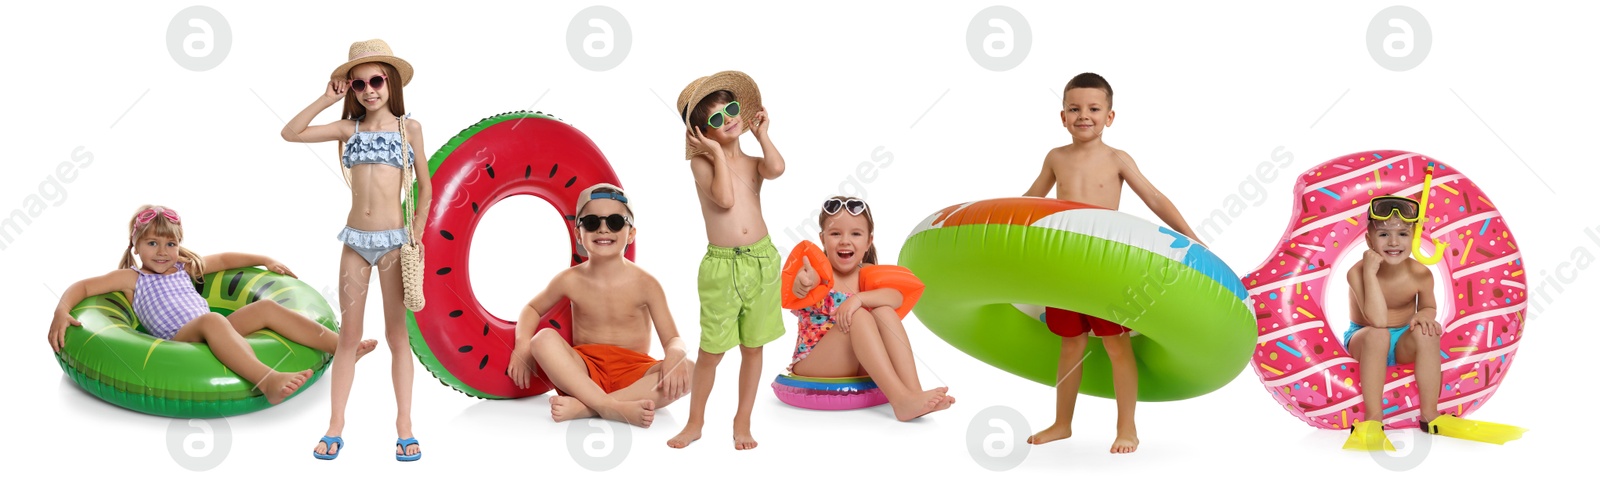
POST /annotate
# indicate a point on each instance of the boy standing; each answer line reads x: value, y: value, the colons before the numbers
x: 740, y: 303
x: 1091, y: 172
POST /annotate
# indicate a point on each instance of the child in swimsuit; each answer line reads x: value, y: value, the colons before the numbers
x: 607, y: 370
x: 1392, y: 308
x: 1090, y: 171
x: 169, y: 306
x: 378, y: 146
x: 852, y: 331
x: 738, y: 282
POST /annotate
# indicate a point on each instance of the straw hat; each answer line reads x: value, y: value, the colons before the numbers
x: 373, y: 50
x: 743, y: 88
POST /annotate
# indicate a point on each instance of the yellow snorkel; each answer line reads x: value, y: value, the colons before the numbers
x: 1422, y: 217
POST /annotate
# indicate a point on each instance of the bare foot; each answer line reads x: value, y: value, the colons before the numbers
x: 689, y: 434
x: 638, y: 413
x: 278, y: 386
x: 1055, y: 432
x: 366, y: 346
x: 1124, y: 444
x: 566, y: 408
x: 946, y: 403
x: 743, y: 440
x: 917, y: 405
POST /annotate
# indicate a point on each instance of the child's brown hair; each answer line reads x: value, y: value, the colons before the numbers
x: 872, y: 251
x: 1089, y: 80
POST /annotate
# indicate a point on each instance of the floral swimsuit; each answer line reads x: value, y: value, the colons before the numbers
x: 815, y: 321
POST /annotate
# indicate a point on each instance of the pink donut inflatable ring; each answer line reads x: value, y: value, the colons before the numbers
x: 1481, y: 282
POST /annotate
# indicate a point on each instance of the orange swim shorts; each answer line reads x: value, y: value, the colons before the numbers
x: 614, y: 367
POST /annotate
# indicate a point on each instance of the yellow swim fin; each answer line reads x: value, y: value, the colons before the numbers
x: 1471, y: 430
x: 1368, y: 436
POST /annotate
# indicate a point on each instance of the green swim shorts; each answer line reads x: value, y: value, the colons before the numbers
x: 739, y: 299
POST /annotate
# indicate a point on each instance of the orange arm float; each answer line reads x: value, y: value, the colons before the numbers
x: 895, y: 277
x: 791, y: 268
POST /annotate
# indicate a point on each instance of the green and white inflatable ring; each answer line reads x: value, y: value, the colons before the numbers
x: 984, y: 260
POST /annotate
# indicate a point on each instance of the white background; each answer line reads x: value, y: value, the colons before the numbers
x: 1203, y: 95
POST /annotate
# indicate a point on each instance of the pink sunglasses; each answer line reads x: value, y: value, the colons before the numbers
x: 145, y: 217
x: 376, y: 82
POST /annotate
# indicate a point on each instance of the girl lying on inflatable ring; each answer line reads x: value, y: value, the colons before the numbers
x: 164, y: 298
x: 850, y: 312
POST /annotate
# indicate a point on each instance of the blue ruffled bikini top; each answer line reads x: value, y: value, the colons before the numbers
x: 377, y: 147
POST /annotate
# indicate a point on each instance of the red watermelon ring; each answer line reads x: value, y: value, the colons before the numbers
x: 506, y: 155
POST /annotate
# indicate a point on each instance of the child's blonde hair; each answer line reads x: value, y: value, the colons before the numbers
x: 160, y: 225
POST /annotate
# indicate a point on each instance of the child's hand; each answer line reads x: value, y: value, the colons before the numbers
x: 58, y: 330
x: 1370, y: 262
x: 336, y: 89
x: 806, y: 279
x: 674, y: 381
x: 280, y: 268
x: 521, y: 368
x: 698, y: 140
x: 1426, y: 326
x: 759, y: 124
x: 843, y: 314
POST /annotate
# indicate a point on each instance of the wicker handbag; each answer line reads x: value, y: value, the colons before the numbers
x: 411, y: 259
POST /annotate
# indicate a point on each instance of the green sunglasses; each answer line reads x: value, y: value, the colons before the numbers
x: 720, y: 117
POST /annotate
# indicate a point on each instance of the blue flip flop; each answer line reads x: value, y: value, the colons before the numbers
x: 331, y: 442
x: 401, y: 444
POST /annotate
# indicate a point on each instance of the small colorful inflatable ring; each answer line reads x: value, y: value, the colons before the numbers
x: 506, y: 155
x: 1300, y: 357
x: 980, y: 258
x: 114, y: 358
x: 828, y: 394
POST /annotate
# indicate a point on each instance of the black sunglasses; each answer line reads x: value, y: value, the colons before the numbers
x: 853, y: 205
x: 614, y: 222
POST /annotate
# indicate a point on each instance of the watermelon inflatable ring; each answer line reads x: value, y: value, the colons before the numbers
x: 506, y: 155
x: 980, y: 259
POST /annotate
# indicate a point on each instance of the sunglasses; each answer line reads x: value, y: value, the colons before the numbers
x: 853, y: 205
x: 720, y: 117
x: 614, y: 222
x: 376, y: 82
x: 1385, y: 207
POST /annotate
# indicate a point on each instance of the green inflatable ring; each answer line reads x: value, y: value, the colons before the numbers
x: 112, y: 356
x: 979, y: 260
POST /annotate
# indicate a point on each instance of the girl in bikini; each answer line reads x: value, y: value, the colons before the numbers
x: 378, y: 145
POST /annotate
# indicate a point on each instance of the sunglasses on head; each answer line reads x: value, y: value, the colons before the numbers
x: 376, y: 82
x: 614, y: 222
x: 720, y: 117
x: 853, y: 205
x: 1386, y: 207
